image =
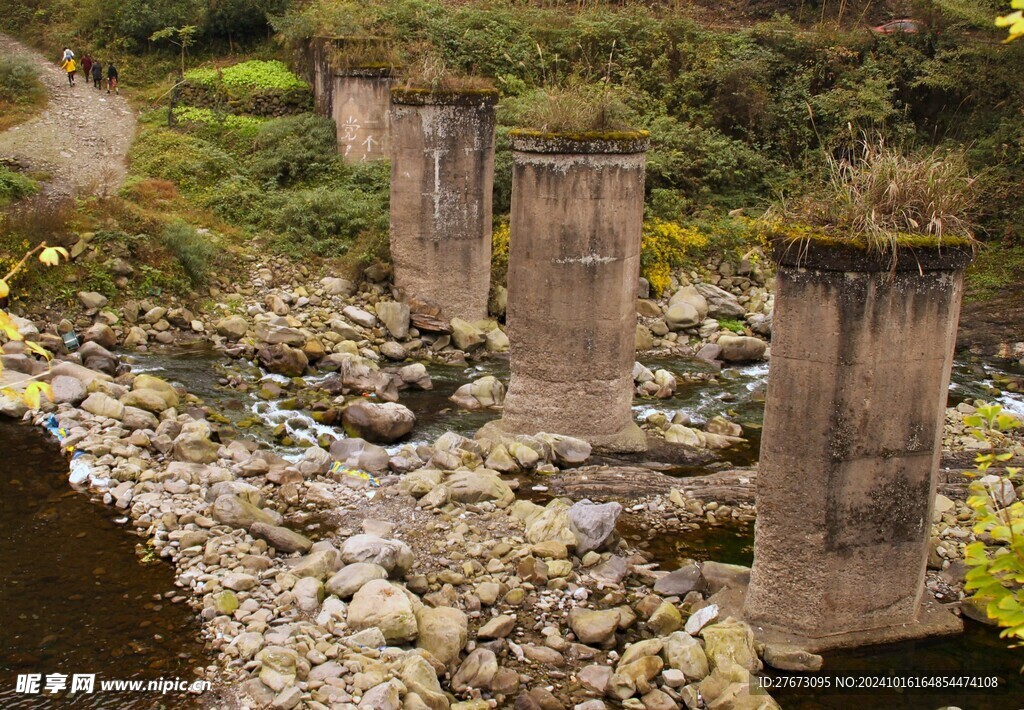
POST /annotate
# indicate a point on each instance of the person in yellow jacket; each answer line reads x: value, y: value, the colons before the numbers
x: 70, y: 67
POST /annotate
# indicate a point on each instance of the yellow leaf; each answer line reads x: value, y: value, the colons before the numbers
x: 51, y: 255
x: 38, y: 349
x: 33, y: 392
x: 8, y: 328
x: 4, y: 290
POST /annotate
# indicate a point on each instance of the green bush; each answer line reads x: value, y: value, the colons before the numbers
x: 19, y: 81
x: 192, y: 250
x: 15, y: 186
x: 246, y: 76
x: 295, y: 149
x: 232, y: 131
x: 324, y: 221
x: 192, y: 163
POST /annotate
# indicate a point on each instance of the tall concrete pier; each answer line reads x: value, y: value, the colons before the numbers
x: 574, y: 264
x: 360, y: 101
x: 861, y: 358
x: 442, y: 175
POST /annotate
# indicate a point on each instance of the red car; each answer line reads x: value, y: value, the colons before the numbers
x: 897, y: 26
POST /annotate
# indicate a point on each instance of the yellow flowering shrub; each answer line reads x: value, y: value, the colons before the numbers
x: 664, y: 247
x: 499, y: 253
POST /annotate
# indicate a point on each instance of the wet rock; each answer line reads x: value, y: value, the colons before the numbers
x: 665, y: 619
x: 382, y: 605
x: 791, y: 658
x: 393, y: 555
x: 566, y: 450
x: 719, y: 575
x: 351, y: 578
x: 283, y: 360
x: 443, y: 631
x: 280, y: 538
x: 466, y: 336
x: 416, y: 375
x: 149, y: 400
x: 593, y: 524
x: 378, y: 423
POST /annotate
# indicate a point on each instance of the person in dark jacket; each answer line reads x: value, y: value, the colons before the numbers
x: 97, y: 74
x: 112, y: 78
x: 86, y: 66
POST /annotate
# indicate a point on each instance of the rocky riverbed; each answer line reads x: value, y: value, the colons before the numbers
x: 455, y: 572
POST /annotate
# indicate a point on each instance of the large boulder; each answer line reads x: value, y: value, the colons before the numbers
x: 467, y: 336
x: 351, y: 578
x: 382, y: 605
x: 393, y: 555
x: 101, y: 334
x: 280, y: 538
x: 684, y: 653
x: 693, y: 298
x: 103, y: 405
x: 96, y: 357
x: 730, y: 641
x: 232, y: 327
x: 681, y: 316
x: 721, y: 303
x: 395, y: 317
x: 278, y: 332
x: 380, y: 423
x: 479, y: 486
x: 284, y: 360
x: 237, y: 512
x: 443, y: 632
x: 593, y: 524
x: 193, y: 443
x: 741, y: 348
x: 149, y: 400
x: 594, y: 626
x: 486, y: 393
x: 67, y: 390
x: 359, y: 453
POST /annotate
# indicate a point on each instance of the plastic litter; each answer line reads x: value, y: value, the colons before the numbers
x: 338, y: 467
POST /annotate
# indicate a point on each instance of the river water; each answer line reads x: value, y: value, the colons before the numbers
x: 75, y: 597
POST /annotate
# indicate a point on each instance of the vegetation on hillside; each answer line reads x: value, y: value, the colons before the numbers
x: 21, y: 91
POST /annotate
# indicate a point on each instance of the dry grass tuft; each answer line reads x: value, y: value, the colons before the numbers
x: 881, y: 195
x: 581, y: 108
x: 433, y: 73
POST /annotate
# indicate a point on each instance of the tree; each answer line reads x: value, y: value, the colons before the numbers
x: 182, y: 37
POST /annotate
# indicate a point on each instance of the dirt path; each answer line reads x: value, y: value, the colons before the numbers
x: 79, y: 141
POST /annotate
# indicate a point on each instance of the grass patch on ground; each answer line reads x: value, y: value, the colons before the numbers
x: 22, y: 94
x: 14, y: 186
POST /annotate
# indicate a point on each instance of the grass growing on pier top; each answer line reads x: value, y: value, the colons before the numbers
x: 575, y: 109
x: 883, y: 198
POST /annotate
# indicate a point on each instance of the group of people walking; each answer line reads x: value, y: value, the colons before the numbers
x: 91, y: 68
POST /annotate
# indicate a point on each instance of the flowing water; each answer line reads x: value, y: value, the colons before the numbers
x: 74, y: 597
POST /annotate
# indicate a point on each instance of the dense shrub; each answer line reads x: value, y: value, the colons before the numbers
x: 293, y: 149
x: 19, y: 81
x: 15, y: 186
x: 247, y: 76
x: 192, y: 250
x: 324, y: 221
x: 664, y: 247
x: 190, y: 162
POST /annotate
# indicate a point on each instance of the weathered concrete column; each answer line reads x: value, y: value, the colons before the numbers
x: 442, y: 174
x: 320, y: 72
x: 360, y: 101
x: 574, y: 265
x: 861, y: 357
